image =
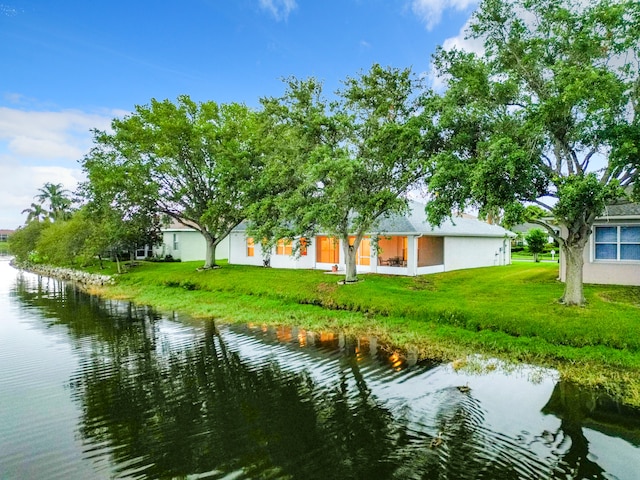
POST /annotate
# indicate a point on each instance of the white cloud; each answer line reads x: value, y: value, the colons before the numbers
x: 42, y: 146
x: 20, y: 183
x: 430, y: 11
x: 280, y: 9
x: 8, y: 10
x: 46, y: 134
x: 459, y: 42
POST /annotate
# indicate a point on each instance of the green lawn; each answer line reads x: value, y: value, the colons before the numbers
x: 524, y: 255
x: 4, y: 247
x: 507, y: 311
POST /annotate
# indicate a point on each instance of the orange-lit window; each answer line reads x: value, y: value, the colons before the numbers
x: 303, y: 246
x: 363, y: 255
x: 392, y: 251
x: 327, y: 250
x: 283, y: 247
x: 250, y: 247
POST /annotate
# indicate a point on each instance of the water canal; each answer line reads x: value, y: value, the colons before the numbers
x: 93, y: 389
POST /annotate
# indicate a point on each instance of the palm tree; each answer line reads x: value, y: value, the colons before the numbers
x: 56, y: 196
x: 35, y: 212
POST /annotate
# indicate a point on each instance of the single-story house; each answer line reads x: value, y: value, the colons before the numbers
x: 186, y: 244
x: 523, y: 229
x: 5, y: 234
x: 612, y: 255
x: 406, y: 245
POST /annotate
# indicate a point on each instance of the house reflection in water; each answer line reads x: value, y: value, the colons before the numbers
x: 362, y: 348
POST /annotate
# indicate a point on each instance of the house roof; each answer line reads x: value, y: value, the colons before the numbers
x: 6, y: 232
x: 623, y: 209
x: 176, y: 225
x: 525, y: 227
x: 415, y: 223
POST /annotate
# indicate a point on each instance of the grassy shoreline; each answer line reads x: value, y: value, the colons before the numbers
x: 509, y: 312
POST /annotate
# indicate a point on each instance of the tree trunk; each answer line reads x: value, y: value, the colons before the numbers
x: 210, y: 254
x: 574, y: 261
x: 350, y: 252
x: 118, y: 263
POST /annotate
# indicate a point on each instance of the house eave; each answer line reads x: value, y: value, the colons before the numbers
x: 617, y: 217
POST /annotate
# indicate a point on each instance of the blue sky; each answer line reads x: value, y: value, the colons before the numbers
x: 71, y: 66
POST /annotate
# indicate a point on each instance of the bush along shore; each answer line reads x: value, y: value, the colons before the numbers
x: 510, y: 313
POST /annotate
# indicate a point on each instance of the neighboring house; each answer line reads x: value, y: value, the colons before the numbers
x: 406, y: 245
x: 186, y: 244
x: 612, y: 255
x: 524, y: 228
x: 5, y: 234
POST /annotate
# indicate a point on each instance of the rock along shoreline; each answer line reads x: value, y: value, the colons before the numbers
x: 69, y: 274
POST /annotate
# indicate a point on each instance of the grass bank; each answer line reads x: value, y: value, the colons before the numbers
x: 510, y: 312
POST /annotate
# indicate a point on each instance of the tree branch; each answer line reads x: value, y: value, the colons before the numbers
x: 549, y: 228
x: 543, y: 205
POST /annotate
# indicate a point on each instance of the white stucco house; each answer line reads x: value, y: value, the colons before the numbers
x: 186, y: 244
x: 612, y: 255
x: 406, y: 245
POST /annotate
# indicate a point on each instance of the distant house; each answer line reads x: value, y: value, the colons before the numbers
x: 613, y: 253
x: 523, y: 229
x: 187, y: 244
x: 5, y: 234
x: 406, y: 245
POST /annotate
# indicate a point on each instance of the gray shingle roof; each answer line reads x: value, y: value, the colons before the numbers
x: 622, y: 210
x: 415, y: 222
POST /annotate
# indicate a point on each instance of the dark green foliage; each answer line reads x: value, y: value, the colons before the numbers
x: 193, y: 162
x: 536, y: 241
x: 342, y: 164
x: 525, y: 121
x: 24, y: 241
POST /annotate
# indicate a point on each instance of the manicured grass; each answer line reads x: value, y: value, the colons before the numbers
x: 4, y: 247
x: 509, y: 311
x: 524, y: 255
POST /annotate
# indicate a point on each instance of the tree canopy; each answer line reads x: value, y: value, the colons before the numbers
x: 547, y: 114
x: 193, y: 162
x: 350, y: 161
x: 54, y: 197
x: 536, y: 240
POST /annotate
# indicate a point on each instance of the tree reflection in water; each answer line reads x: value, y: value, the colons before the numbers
x: 203, y: 409
x: 180, y: 404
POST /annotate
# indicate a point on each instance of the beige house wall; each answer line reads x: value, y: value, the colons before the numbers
x: 605, y: 272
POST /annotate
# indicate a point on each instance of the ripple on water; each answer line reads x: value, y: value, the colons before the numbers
x: 107, y: 390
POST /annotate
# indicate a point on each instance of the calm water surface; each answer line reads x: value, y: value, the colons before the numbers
x: 93, y: 389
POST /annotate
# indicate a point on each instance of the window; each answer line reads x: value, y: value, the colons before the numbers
x: 250, y: 247
x: 176, y: 245
x: 617, y: 243
x: 283, y: 247
x: 392, y: 251
x: 363, y: 255
x: 327, y: 250
x: 430, y: 251
x: 303, y: 246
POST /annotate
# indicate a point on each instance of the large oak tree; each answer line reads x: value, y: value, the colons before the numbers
x: 548, y: 114
x: 193, y: 162
x: 349, y: 161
